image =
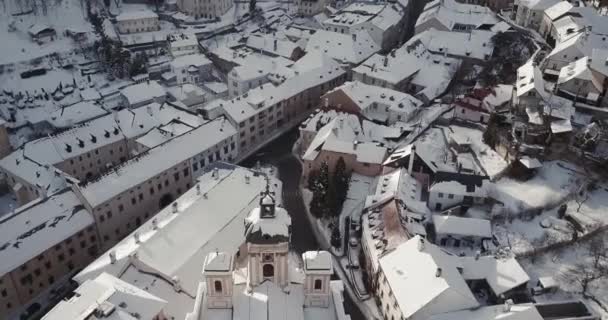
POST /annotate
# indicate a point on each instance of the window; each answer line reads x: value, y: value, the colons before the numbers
x: 121, y: 208
x: 133, y: 201
x: 268, y: 271
x: 141, y: 196
x: 318, y: 284
x: 83, y: 244
x: 166, y: 182
x: 450, y: 196
x: 109, y: 214
x: 176, y: 176
x: 47, y: 265
x: 195, y: 166
x: 186, y: 172
x: 72, y: 251
x: 4, y: 294
x: 218, y: 286
x: 440, y: 195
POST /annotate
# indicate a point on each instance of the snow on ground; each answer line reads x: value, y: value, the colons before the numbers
x: 358, y: 189
x: 491, y: 162
x: 554, y: 181
x: 558, y: 264
x: 61, y: 15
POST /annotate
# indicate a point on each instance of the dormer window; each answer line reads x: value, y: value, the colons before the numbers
x: 267, y: 257
x: 218, y: 286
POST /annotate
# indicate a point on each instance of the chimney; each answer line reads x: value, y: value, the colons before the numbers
x: 205, y: 195
x: 174, y: 207
x: 275, y: 45
x: 176, y: 284
x: 410, y: 167
x: 215, y: 174
x: 355, y: 143
x: 508, y: 304
x: 136, y: 236
x: 149, y: 109
x: 438, y: 273
x: 477, y: 254
x: 354, y: 37
x: 341, y: 123
x: 154, y: 224
x: 326, y: 103
x: 112, y: 257
x: 421, y: 244
x: 386, y: 61
x: 198, y: 189
x: 247, y: 179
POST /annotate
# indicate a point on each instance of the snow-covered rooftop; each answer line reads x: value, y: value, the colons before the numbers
x: 38, y: 226
x: 273, y: 45
x: 157, y: 160
x: 371, y: 98
x: 579, y: 70
x: 558, y: 9
x: 142, y: 92
x: 495, y: 312
x: 197, y: 60
x: 346, y: 48
x: 462, y: 226
x: 119, y: 300
x: 136, y: 15
x: 209, y: 220
x: 317, y: 262
x: 453, y: 14
x: 476, y: 44
x: 217, y: 262
x: 529, y: 77
x: 439, y: 285
x: 501, y: 274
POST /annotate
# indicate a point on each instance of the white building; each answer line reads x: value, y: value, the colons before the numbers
x: 443, y: 283
x: 207, y: 223
x: 144, y: 93
x: 192, y: 68
x: 348, y: 49
x: 183, y: 44
x: 449, y: 15
x: 457, y: 233
x: 578, y: 82
x: 137, y: 21
x: 234, y: 283
x: 411, y: 69
x: 529, y: 86
x: 447, y: 194
x: 111, y: 298
x: 188, y: 96
x: 530, y: 13
x: 382, y: 105
x: 440, y: 287
x: 209, y: 9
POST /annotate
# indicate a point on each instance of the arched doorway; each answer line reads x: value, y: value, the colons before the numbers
x: 165, y: 200
x: 268, y: 271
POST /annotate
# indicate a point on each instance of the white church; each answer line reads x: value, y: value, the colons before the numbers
x: 261, y: 281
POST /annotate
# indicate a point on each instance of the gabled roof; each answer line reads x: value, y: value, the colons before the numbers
x: 579, y: 70
x: 136, y: 14
x: 557, y: 10
x: 439, y: 286
x: 462, y: 226
x: 529, y: 77
x: 345, y: 48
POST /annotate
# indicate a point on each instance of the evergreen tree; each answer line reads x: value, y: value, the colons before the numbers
x: 336, y: 240
x: 340, y: 181
x: 319, y: 188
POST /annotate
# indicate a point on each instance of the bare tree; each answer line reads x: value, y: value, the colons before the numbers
x: 584, y: 274
x: 598, y: 251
